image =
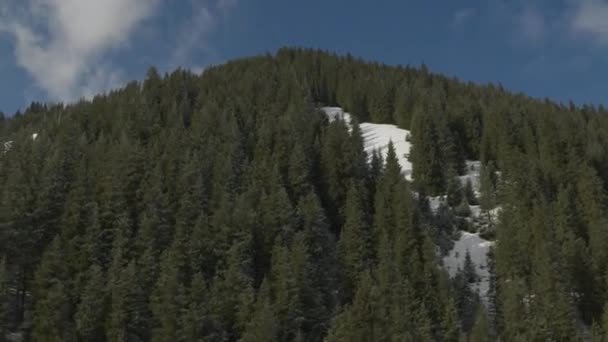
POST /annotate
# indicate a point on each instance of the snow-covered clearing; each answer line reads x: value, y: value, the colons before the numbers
x: 478, y: 249
x: 472, y: 174
x: 378, y: 136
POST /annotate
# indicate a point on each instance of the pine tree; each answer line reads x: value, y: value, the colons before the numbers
x: 454, y: 191
x: 92, y: 307
x: 287, y: 279
x: 426, y: 155
x: 166, y: 300
x: 469, y: 193
x: 299, y: 173
x: 605, y: 321
x: 481, y: 329
x: 487, y: 187
x: 231, y: 294
x: 322, y: 273
x: 358, y: 321
x: 375, y: 171
x: 335, y: 173
x: 52, y: 311
x: 451, y: 326
x: 384, y: 211
x: 194, y: 320
x: 463, y: 209
x: 469, y: 273
x: 121, y: 281
x: 262, y: 326
x: 354, y: 247
x: 4, y: 297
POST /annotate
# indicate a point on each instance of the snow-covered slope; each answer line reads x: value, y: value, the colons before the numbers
x: 377, y: 137
x: 478, y: 249
x: 473, y: 168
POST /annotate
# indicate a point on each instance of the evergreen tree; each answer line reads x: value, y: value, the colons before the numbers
x: 358, y: 321
x: 451, y: 327
x: 454, y: 191
x: 469, y: 193
x: 4, y: 285
x: 121, y: 281
x: 321, y: 273
x: 469, y: 273
x: 481, y: 329
x: 426, y: 155
x: 166, y: 300
x: 487, y: 187
x: 262, y: 326
x: 92, y: 307
x: 195, y: 321
x: 52, y: 311
x: 604, y: 326
x: 354, y: 247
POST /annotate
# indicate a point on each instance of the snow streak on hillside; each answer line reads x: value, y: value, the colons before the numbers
x: 377, y: 137
x: 478, y: 250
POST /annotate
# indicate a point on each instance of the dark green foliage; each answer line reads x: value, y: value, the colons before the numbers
x: 92, y: 306
x: 481, y: 329
x: 225, y: 206
x: 426, y: 155
x: 463, y: 208
x: 3, y: 298
x: 454, y: 191
x: 487, y: 186
x: 469, y: 193
x: 355, y: 246
x: 262, y: 326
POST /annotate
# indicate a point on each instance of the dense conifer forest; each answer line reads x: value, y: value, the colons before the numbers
x: 227, y: 207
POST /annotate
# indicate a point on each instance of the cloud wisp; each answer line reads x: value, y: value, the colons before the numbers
x: 590, y: 18
x: 463, y: 15
x: 194, y: 34
x: 66, y: 46
x: 62, y: 43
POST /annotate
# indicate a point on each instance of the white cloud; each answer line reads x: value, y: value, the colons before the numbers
x: 591, y: 18
x: 461, y: 16
x: 193, y: 35
x: 61, y: 43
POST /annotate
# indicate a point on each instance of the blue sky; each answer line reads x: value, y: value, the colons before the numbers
x: 60, y: 50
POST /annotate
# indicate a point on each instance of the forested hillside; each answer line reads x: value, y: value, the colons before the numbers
x: 227, y: 207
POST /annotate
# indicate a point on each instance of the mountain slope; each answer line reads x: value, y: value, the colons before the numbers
x: 227, y: 206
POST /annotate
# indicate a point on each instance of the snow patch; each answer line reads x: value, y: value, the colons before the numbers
x: 377, y: 137
x: 7, y: 146
x: 34, y: 136
x: 436, y: 201
x: 473, y: 169
x: 475, y: 211
x: 478, y: 250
